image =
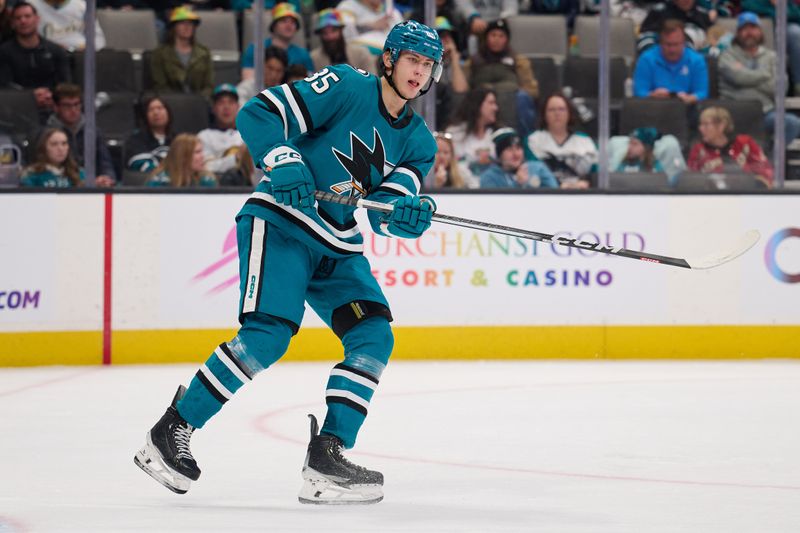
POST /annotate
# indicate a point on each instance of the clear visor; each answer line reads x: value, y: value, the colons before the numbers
x: 437, y: 72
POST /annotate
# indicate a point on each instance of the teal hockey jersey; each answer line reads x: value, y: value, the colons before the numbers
x: 336, y: 119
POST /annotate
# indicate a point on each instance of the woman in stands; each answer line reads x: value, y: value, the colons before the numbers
x: 184, y: 165
x: 498, y: 66
x: 445, y: 173
x: 471, y: 133
x: 148, y: 146
x: 53, y: 166
x: 570, y: 155
x: 721, y: 151
x: 181, y: 64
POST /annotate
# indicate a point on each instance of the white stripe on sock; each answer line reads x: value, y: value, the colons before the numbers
x: 349, y: 395
x: 222, y: 356
x: 361, y: 380
x: 216, y: 383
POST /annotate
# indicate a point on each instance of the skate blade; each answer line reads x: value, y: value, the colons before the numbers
x: 150, y: 461
x: 318, y: 490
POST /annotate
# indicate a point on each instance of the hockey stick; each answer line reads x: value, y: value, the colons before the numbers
x: 745, y: 242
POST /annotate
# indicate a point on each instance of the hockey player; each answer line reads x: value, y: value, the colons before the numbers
x: 340, y: 130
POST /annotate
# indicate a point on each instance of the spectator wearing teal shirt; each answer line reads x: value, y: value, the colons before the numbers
x: 285, y: 24
x: 671, y: 69
x: 54, y: 166
x: 511, y: 170
x: 183, y: 166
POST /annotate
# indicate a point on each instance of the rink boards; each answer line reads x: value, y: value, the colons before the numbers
x: 132, y: 278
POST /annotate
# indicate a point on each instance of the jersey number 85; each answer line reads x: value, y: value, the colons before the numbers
x: 320, y: 81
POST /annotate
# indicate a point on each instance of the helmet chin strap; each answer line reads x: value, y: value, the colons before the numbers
x: 390, y: 80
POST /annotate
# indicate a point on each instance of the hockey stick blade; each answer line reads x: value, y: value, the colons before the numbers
x: 747, y: 241
x: 720, y: 257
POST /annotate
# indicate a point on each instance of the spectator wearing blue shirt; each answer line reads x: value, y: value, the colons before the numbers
x: 671, y: 68
x: 285, y: 24
x: 511, y: 171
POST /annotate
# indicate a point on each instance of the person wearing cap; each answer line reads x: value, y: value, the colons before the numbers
x: 181, y: 64
x: 766, y: 8
x: 510, y: 169
x: 367, y: 22
x: 671, y: 69
x: 334, y: 49
x: 640, y: 155
x: 747, y: 72
x: 497, y: 66
x: 645, y: 149
x: 285, y: 24
x: 351, y: 135
x: 222, y: 141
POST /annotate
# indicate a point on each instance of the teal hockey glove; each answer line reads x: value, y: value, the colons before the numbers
x: 410, y: 217
x: 292, y: 182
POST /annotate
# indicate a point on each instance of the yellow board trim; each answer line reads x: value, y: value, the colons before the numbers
x: 51, y: 348
x: 418, y: 343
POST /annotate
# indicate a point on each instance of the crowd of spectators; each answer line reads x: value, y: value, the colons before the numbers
x: 495, y: 127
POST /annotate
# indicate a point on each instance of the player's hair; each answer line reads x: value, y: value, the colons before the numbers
x: 719, y: 114
x: 178, y: 163
x: 40, y: 163
x: 144, y: 106
x: 66, y: 90
x: 572, y: 121
x: 470, y: 109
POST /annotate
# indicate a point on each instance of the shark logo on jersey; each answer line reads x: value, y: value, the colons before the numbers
x: 365, y: 165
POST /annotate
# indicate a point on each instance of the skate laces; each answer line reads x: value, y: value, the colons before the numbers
x: 336, y: 449
x: 183, y: 433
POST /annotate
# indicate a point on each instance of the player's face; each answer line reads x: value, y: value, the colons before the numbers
x: 197, y: 157
x: 157, y: 115
x: 411, y: 72
x: 57, y: 148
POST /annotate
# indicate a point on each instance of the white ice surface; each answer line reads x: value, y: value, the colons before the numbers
x: 465, y: 447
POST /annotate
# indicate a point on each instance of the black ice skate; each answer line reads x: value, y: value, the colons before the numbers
x: 166, y: 456
x: 332, y: 479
